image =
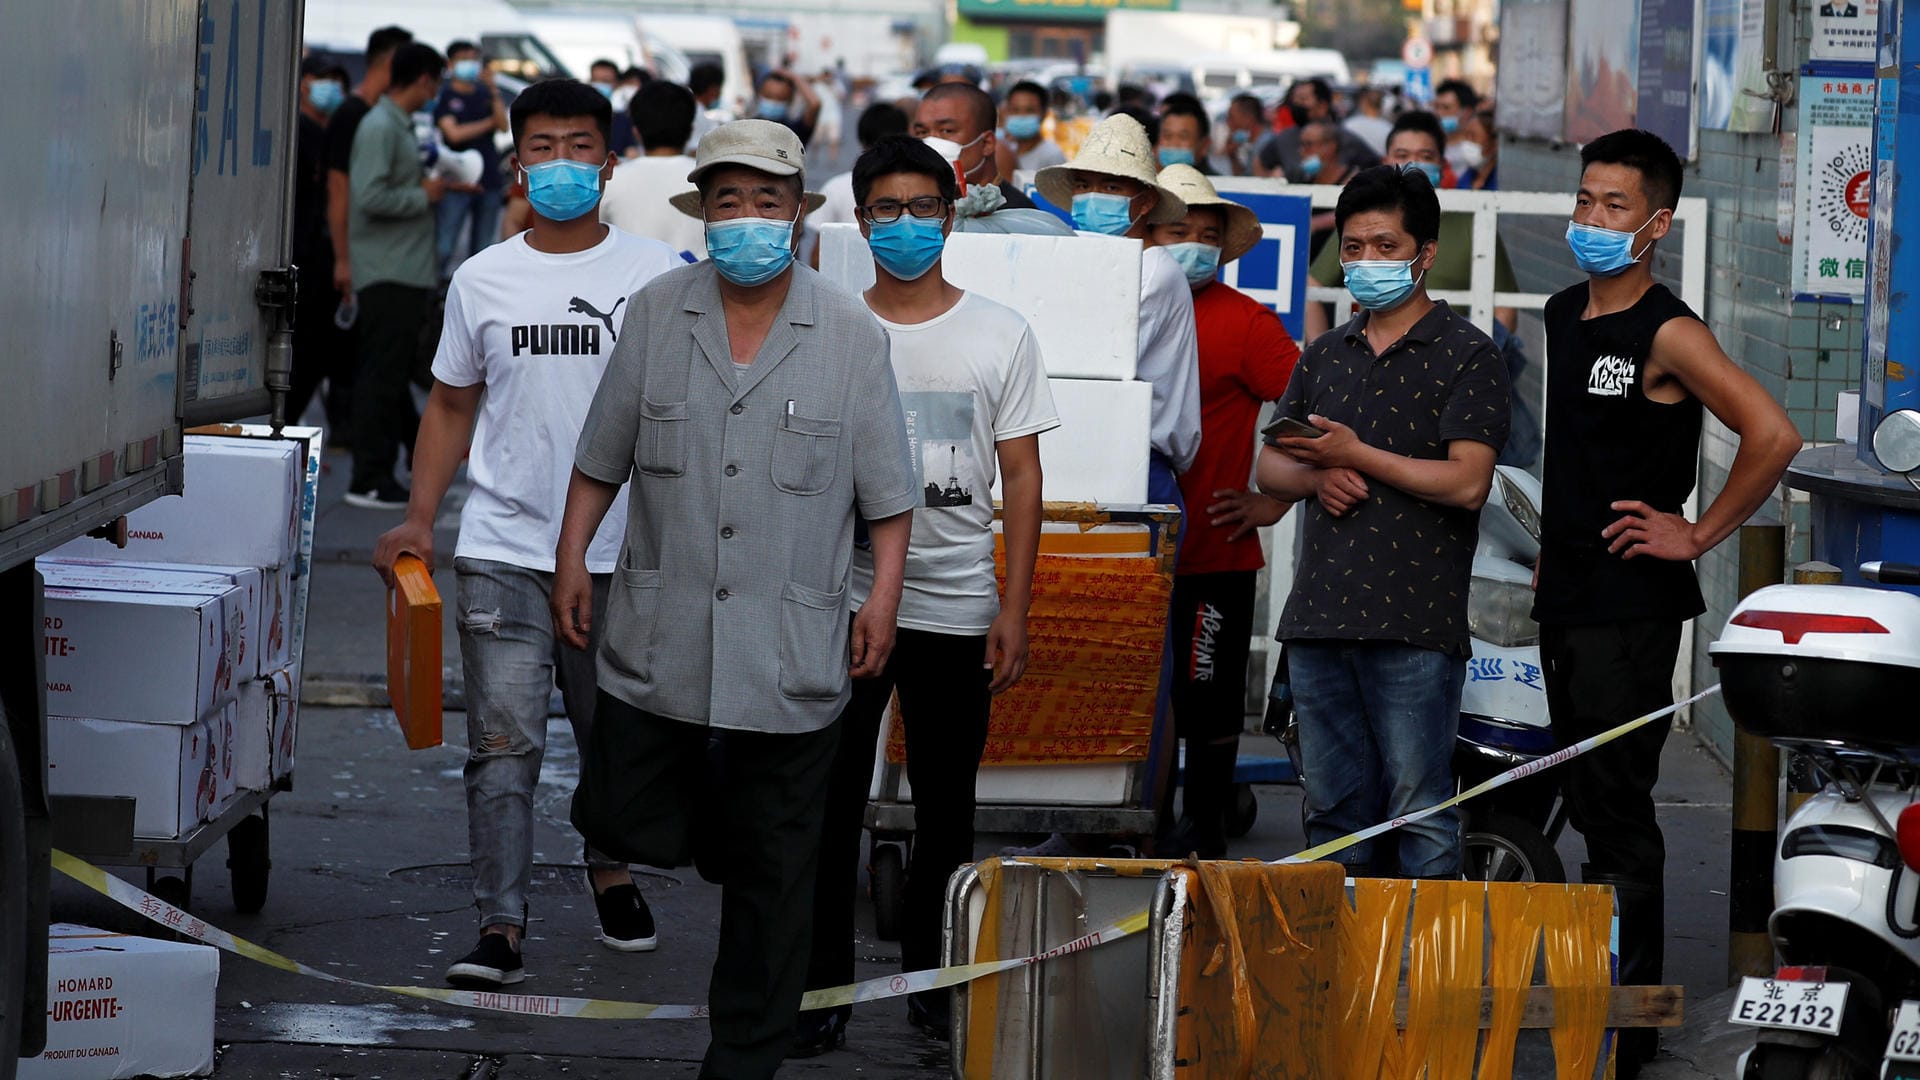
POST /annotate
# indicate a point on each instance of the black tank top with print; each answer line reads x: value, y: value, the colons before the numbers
x: 1607, y: 441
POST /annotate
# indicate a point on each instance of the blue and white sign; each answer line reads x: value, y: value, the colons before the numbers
x: 1275, y: 271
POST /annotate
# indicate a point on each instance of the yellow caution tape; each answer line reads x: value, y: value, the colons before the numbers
x: 891, y: 986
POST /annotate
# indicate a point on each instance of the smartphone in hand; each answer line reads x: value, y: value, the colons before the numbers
x: 1289, y: 427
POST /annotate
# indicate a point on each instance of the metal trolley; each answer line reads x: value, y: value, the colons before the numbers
x: 99, y: 829
x: 1114, y: 801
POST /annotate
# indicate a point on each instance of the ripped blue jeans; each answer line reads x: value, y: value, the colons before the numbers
x: 512, y: 662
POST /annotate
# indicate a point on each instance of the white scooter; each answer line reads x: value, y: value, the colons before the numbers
x: 1833, y: 673
x: 1508, y: 834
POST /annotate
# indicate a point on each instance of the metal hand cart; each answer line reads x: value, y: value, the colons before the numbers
x: 1113, y: 799
x: 99, y: 829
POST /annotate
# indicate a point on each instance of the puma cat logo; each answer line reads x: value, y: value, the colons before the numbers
x: 581, y: 307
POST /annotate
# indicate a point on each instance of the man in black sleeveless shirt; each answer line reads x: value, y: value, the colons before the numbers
x: 1630, y: 369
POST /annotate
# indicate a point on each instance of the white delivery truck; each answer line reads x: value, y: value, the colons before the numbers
x: 1142, y: 42
x: 147, y: 289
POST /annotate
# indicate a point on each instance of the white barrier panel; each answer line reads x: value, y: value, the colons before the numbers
x: 1081, y: 294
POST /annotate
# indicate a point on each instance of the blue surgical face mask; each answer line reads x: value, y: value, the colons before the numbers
x: 1023, y: 127
x: 1175, y: 155
x: 908, y: 247
x: 772, y: 110
x: 1603, y: 252
x: 605, y: 88
x: 561, y: 190
x: 466, y: 70
x: 750, y: 251
x: 325, y: 95
x: 1198, y: 261
x: 1100, y: 212
x: 1449, y: 124
x: 1379, y: 284
x: 1241, y: 135
x: 1310, y: 167
x: 1429, y: 169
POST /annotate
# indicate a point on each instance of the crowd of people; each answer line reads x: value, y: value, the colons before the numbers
x: 697, y: 507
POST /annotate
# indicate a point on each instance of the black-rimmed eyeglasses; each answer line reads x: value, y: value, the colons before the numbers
x: 887, y: 210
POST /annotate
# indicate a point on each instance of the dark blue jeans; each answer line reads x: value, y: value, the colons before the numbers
x: 1377, y: 727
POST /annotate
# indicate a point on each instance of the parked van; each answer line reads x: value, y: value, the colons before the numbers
x: 339, y: 29
x: 1226, y: 74
x: 581, y: 37
x: 711, y: 39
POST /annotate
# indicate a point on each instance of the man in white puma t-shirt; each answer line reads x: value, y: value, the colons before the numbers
x: 530, y: 324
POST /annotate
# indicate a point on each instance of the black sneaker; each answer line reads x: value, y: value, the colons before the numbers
x: 626, y: 923
x: 492, y: 964
x: 387, y: 496
x: 931, y: 1012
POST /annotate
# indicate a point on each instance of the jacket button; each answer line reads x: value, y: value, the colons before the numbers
x: 732, y: 469
x: 737, y: 409
x: 726, y: 533
x: 722, y: 594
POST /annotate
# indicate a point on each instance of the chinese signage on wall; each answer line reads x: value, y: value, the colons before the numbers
x: 1844, y: 30
x: 1532, y: 81
x: 1833, y: 182
x: 1665, y: 87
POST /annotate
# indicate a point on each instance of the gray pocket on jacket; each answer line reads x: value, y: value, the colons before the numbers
x: 633, y: 610
x: 813, y: 642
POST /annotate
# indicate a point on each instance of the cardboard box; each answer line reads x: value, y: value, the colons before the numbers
x: 283, y: 692
x: 1099, y: 452
x: 122, y: 1006
x: 223, y: 733
x: 167, y: 655
x: 255, y: 608
x: 253, y: 736
x: 172, y: 771
x: 1081, y: 294
x: 242, y: 507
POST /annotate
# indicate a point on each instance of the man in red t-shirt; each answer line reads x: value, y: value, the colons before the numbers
x: 1246, y: 358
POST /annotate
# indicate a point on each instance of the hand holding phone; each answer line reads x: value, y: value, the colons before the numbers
x: 1288, y: 427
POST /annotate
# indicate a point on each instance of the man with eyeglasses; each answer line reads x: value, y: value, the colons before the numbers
x: 752, y: 407
x: 975, y: 396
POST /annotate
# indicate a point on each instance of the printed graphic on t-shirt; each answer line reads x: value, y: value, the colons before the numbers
x: 567, y: 338
x: 940, y: 440
x: 1610, y: 377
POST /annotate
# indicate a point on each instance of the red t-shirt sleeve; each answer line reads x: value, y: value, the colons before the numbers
x: 1267, y: 363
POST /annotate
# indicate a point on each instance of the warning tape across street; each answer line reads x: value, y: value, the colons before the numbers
x: 891, y: 986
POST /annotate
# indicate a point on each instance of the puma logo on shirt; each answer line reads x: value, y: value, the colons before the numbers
x: 581, y: 307
x: 1610, y: 377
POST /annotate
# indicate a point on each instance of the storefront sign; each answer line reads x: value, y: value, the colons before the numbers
x: 1532, y: 81
x: 1833, y: 182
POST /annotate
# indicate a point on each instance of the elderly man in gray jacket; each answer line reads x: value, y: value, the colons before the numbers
x: 753, y: 407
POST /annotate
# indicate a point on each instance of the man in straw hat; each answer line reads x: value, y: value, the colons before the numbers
x: 1114, y: 190
x: 1246, y: 357
x: 753, y: 407
x: 1390, y: 425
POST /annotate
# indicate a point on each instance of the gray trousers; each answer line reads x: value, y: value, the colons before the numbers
x: 512, y: 661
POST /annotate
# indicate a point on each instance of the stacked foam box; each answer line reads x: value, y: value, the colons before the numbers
x: 181, y: 646
x: 120, y: 1006
x: 1081, y: 296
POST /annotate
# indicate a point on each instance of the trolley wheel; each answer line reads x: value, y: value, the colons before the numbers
x: 249, y: 864
x: 887, y: 872
x: 1242, y: 811
x: 1501, y: 847
x: 173, y: 890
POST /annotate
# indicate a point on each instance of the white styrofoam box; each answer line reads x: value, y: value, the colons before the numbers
x: 276, y: 618
x: 158, y: 657
x: 1846, y: 416
x: 254, y: 609
x: 253, y: 736
x: 283, y: 691
x: 120, y: 1006
x: 223, y: 732
x: 171, y: 771
x: 241, y: 507
x: 1081, y: 294
x: 1099, y: 452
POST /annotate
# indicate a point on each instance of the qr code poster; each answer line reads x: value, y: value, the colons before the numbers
x: 1833, y: 186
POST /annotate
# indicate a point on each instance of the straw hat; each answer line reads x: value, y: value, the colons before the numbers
x: 1117, y: 146
x: 1191, y: 186
x: 757, y: 144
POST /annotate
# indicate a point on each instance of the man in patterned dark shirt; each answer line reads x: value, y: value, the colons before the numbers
x: 1407, y: 406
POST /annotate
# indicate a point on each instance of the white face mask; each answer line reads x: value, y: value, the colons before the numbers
x: 1471, y: 155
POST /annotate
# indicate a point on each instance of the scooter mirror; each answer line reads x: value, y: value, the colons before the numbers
x: 1907, y: 831
x: 1896, y: 442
